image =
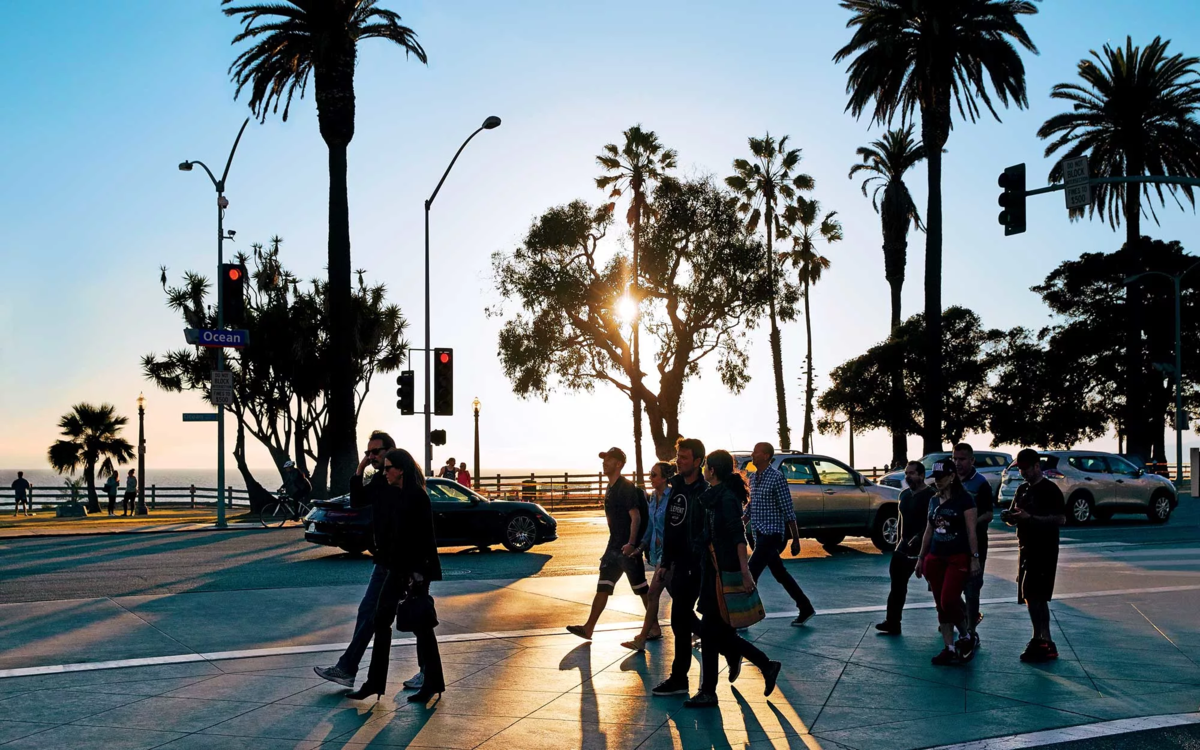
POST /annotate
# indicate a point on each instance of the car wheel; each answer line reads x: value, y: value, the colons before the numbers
x: 520, y: 533
x: 887, y: 529
x: 830, y: 540
x: 1079, y: 509
x: 1103, y: 516
x: 1160, y: 508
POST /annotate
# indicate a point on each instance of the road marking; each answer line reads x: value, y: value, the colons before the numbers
x: 1082, y: 732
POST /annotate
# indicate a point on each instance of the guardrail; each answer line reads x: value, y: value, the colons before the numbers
x: 174, y: 497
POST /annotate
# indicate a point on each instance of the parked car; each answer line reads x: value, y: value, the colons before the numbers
x: 988, y: 463
x: 833, y: 501
x: 1097, y: 485
x: 461, y: 518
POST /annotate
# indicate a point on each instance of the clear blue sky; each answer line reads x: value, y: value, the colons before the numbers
x: 102, y: 100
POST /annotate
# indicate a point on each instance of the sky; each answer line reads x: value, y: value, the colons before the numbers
x: 103, y: 100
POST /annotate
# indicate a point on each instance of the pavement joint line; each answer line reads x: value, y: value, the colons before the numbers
x: 1075, y: 733
x: 486, y: 636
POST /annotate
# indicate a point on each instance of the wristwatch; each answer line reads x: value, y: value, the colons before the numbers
x: 975, y: 555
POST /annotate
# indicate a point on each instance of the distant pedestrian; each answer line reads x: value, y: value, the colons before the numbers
x: 1038, y: 510
x: 129, y: 501
x: 21, y: 494
x: 296, y: 484
x: 449, y: 471
x: 949, y: 555
x: 651, y: 548
x: 773, y: 521
x: 623, y: 509
x: 980, y: 491
x: 464, y: 476
x: 724, y: 540
x: 110, y: 489
x: 913, y: 507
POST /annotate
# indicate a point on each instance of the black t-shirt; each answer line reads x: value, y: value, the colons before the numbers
x: 1041, y: 499
x: 621, y: 498
x: 950, y: 524
x: 21, y: 487
x: 914, y: 507
x: 981, y: 492
x: 683, y: 521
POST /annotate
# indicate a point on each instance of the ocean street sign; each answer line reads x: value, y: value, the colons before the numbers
x: 1078, y: 192
x: 234, y: 338
x: 204, y: 416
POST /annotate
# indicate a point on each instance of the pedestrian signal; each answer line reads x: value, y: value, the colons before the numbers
x: 437, y: 437
x: 443, y: 382
x: 405, y: 393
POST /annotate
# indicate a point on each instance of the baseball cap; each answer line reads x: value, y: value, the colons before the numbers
x: 943, y: 468
x: 615, y: 453
x: 1027, y: 457
x: 288, y: 464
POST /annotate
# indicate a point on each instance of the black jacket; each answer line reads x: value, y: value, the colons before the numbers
x: 683, y: 523
x: 402, y: 522
x: 723, y: 527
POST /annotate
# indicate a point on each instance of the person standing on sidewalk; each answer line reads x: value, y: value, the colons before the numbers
x: 110, y: 489
x: 21, y: 492
x: 980, y: 491
x: 1038, y: 510
x: 449, y: 471
x: 914, y: 505
x: 129, y: 501
x: 623, y: 508
x: 948, y: 556
x: 773, y: 520
x: 463, y: 477
x: 724, y: 539
x: 652, y: 543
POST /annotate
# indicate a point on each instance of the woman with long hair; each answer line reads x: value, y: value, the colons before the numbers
x: 725, y: 535
x: 404, y: 544
x: 651, y: 547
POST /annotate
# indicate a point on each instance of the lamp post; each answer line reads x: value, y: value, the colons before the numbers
x: 475, y: 407
x: 1177, y: 279
x: 141, y: 496
x: 490, y: 123
x: 222, y: 204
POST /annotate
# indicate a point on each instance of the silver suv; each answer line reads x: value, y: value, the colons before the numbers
x: 988, y: 463
x: 833, y: 501
x: 1096, y: 485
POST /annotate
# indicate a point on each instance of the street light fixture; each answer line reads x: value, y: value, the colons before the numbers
x: 475, y: 408
x: 141, y: 457
x: 491, y: 123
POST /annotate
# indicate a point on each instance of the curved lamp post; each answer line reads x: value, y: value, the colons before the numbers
x: 475, y: 408
x: 141, y: 495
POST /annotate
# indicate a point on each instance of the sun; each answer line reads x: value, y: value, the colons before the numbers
x: 626, y: 309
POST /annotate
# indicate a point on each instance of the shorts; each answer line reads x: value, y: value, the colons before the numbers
x: 1035, y: 576
x: 613, y: 565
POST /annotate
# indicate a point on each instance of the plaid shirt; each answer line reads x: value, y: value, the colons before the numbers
x: 770, y: 502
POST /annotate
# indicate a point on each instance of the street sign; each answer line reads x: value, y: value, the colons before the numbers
x: 233, y: 338
x: 222, y: 396
x: 222, y: 379
x: 204, y: 416
x: 1078, y: 196
x: 1078, y: 192
x: 1075, y: 170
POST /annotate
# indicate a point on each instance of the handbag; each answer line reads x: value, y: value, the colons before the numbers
x: 739, y: 608
x: 416, y: 612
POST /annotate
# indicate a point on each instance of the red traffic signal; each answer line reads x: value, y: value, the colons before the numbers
x: 443, y: 382
x: 234, y: 273
x: 444, y: 357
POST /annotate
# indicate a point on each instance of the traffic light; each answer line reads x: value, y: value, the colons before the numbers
x: 443, y: 382
x: 1013, y: 199
x: 233, y: 293
x: 405, y: 392
x: 437, y: 437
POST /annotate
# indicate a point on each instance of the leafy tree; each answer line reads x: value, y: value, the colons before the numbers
x: 635, y: 167
x: 289, y: 41
x: 808, y: 227
x: 92, y: 437
x: 281, y: 378
x: 704, y: 287
x: 931, y: 56
x: 1133, y: 114
x: 764, y: 183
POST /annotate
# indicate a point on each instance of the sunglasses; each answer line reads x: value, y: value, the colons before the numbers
x: 373, y: 452
x: 388, y: 467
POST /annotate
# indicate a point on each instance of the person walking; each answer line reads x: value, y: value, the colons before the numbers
x: 980, y: 491
x: 463, y: 477
x: 914, y: 505
x: 651, y: 547
x: 773, y: 521
x: 1038, y: 510
x: 21, y: 494
x: 346, y: 668
x: 449, y: 471
x: 402, y: 522
x: 129, y: 501
x: 110, y: 489
x: 724, y: 538
x: 625, y: 509
x: 949, y: 554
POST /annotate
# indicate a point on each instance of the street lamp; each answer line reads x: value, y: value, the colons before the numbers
x: 222, y: 204
x: 490, y: 123
x: 141, y: 496
x: 1177, y: 279
x: 475, y: 407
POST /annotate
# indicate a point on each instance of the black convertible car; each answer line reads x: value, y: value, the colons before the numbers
x: 461, y: 518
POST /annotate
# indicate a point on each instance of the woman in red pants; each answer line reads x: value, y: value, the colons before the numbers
x: 949, y: 554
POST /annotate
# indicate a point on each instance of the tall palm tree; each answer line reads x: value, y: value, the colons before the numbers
x: 635, y: 167
x: 933, y: 56
x: 808, y: 227
x: 885, y: 162
x: 762, y: 183
x: 92, y: 438
x: 1133, y: 114
x: 290, y: 41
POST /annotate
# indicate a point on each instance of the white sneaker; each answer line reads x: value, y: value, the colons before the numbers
x: 416, y: 682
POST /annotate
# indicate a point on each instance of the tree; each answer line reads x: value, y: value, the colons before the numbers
x: 635, y: 167
x: 290, y: 41
x: 92, y: 437
x: 281, y: 379
x: 704, y: 287
x: 807, y: 227
x: 762, y: 184
x: 1134, y: 114
x: 885, y: 162
x: 931, y: 56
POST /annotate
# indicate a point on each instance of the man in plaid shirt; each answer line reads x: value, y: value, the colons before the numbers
x: 774, y: 522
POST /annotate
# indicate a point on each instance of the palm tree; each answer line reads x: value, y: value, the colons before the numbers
x: 886, y: 161
x: 1134, y: 114
x: 641, y: 162
x: 291, y: 40
x: 91, y: 434
x: 807, y: 228
x: 762, y: 184
x: 930, y: 57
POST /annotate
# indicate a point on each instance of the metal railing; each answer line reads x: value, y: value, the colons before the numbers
x: 169, y: 497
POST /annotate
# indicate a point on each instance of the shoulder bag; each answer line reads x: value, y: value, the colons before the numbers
x: 739, y: 608
x: 416, y: 612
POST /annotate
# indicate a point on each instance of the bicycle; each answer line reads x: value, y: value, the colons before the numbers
x: 281, y: 510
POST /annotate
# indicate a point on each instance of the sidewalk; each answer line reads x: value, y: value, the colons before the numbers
x: 44, y: 522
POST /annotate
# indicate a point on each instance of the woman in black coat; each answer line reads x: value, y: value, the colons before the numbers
x: 404, y: 544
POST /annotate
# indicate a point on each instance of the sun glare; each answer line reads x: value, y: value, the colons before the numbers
x: 626, y: 309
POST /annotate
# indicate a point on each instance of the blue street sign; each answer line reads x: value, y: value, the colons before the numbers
x: 204, y: 416
x: 232, y: 339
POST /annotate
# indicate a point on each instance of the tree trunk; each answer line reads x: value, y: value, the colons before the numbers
x: 932, y: 406
x: 808, y: 384
x: 637, y: 356
x: 258, y: 495
x: 895, y: 251
x: 1138, y: 440
x: 785, y: 439
x: 340, y: 429
x: 664, y: 422
x: 89, y: 475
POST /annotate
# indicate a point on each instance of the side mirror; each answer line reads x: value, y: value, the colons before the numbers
x: 1138, y: 474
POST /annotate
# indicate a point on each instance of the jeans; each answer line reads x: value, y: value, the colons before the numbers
x: 900, y: 570
x: 393, y: 590
x: 685, y: 589
x: 971, y: 590
x: 767, y: 549
x: 719, y: 638
x: 364, y: 626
